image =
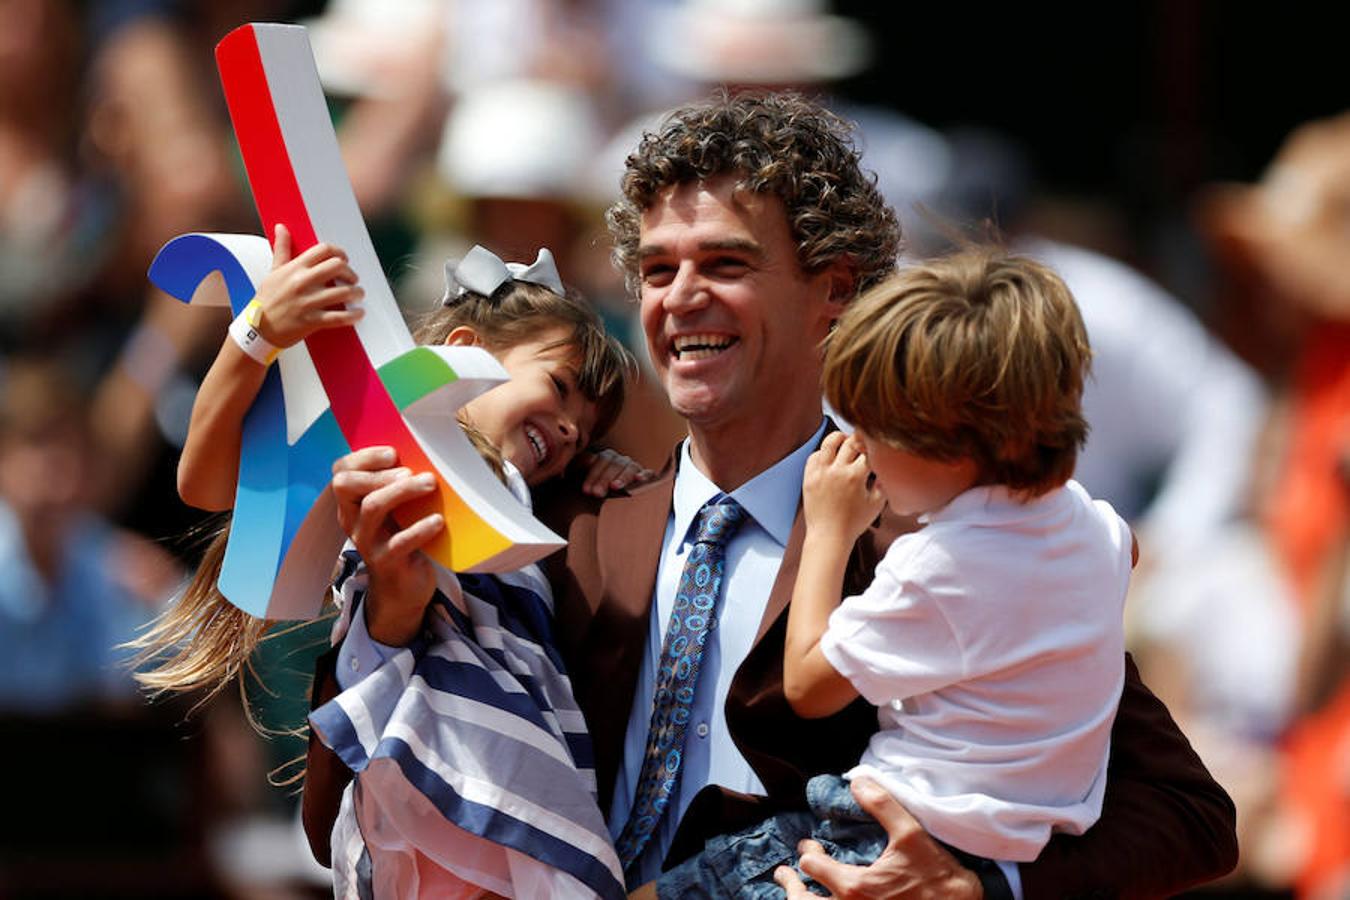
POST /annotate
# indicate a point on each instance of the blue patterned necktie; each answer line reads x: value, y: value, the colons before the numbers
x: 677, y: 676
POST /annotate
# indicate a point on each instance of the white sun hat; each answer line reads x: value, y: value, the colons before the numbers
x: 519, y: 138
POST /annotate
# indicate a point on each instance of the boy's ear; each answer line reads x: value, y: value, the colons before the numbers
x: 463, y: 336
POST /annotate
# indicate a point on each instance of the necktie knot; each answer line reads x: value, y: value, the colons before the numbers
x: 716, y: 523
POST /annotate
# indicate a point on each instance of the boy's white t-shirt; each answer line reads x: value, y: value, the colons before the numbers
x: 992, y: 644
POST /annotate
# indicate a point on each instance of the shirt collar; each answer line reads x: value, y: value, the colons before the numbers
x: 770, y: 498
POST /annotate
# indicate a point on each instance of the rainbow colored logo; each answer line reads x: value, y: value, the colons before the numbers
x: 343, y: 388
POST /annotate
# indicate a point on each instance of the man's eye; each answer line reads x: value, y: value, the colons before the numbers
x: 658, y: 275
x: 728, y: 265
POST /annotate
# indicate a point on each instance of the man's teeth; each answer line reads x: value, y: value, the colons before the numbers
x: 537, y: 443
x: 701, y: 346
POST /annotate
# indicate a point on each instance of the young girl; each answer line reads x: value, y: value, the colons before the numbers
x: 482, y: 640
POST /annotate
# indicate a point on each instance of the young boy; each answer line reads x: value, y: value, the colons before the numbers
x: 991, y: 639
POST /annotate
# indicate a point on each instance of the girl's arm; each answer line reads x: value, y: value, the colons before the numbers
x: 838, y: 505
x: 209, y: 466
x: 298, y: 297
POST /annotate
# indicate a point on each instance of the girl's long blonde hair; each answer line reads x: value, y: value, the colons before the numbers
x: 202, y: 642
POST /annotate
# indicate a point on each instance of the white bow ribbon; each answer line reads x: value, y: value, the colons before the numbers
x: 483, y: 272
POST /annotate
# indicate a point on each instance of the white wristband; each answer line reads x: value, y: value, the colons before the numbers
x: 244, y: 330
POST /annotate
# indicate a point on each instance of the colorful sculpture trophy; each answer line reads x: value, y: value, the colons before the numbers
x: 343, y: 388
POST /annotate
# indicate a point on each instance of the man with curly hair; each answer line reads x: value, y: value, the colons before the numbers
x: 745, y: 228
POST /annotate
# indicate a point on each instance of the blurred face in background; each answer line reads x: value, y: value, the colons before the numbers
x: 1294, y: 226
x: 46, y: 466
x: 44, y: 473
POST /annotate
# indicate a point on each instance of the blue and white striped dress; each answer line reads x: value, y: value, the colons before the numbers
x: 473, y: 764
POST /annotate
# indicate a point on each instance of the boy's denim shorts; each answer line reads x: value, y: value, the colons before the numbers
x: 742, y: 864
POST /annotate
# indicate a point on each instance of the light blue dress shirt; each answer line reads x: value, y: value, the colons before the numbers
x: 753, y: 556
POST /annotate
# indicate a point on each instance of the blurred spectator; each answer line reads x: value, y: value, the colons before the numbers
x: 776, y: 45
x: 56, y: 222
x: 75, y: 587
x: 1175, y: 415
x: 1282, y: 244
x: 155, y: 128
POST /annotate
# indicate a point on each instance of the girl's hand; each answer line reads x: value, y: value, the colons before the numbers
x: 608, y: 470
x: 302, y: 295
x: 836, y: 497
x: 369, y: 487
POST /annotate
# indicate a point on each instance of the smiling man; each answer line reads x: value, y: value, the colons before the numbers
x: 745, y: 228
x: 709, y: 252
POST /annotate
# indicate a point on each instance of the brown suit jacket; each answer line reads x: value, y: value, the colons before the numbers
x: 1165, y: 824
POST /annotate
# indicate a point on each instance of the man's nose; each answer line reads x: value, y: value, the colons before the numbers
x: 687, y: 292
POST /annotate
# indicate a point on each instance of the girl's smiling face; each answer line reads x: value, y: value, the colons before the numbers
x: 539, y: 419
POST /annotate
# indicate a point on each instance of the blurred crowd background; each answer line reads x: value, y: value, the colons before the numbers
x: 1184, y: 165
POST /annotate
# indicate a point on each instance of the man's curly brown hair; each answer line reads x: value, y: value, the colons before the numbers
x: 778, y: 143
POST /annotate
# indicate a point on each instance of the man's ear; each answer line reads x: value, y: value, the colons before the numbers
x: 463, y: 336
x: 842, y: 284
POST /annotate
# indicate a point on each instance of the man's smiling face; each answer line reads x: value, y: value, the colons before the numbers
x: 732, y: 323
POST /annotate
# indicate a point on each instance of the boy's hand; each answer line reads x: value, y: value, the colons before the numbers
x: 608, y: 470
x: 837, y: 498
x: 302, y: 295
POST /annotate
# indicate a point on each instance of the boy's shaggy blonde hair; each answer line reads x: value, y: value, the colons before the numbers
x: 978, y: 355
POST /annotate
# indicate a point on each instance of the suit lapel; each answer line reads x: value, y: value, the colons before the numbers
x: 630, y: 535
x: 627, y: 541
x: 781, y: 592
